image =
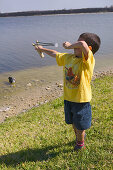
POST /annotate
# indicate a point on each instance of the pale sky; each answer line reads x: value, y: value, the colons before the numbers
x: 29, y: 5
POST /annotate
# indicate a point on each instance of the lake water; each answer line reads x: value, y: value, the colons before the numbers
x: 18, y: 33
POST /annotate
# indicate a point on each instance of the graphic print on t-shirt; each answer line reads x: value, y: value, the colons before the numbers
x: 72, y: 78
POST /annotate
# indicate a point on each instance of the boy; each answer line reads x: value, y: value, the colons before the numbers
x: 78, y: 70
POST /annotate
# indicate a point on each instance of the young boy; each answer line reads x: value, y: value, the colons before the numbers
x: 78, y: 70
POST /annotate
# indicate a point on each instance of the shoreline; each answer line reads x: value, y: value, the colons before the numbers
x: 34, y: 91
x: 33, y: 87
x: 58, y: 12
x: 81, y: 13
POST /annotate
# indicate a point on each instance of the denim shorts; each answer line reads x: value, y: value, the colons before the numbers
x: 78, y: 114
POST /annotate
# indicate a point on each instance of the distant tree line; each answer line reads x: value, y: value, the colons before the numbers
x: 63, y: 11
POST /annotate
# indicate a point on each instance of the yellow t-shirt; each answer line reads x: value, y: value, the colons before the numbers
x: 77, y: 76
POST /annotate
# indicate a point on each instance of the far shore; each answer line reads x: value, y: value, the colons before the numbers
x: 57, y: 12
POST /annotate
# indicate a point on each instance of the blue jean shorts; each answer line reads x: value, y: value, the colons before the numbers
x: 78, y: 114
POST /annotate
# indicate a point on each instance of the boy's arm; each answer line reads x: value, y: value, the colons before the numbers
x: 50, y: 52
x: 79, y: 44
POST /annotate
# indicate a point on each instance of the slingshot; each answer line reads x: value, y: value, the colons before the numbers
x: 44, y: 44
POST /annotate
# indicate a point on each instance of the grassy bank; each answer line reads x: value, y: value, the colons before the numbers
x: 40, y: 139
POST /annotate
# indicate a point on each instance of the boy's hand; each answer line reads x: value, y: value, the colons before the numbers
x: 66, y: 45
x: 50, y: 52
x: 38, y: 48
x: 79, y: 44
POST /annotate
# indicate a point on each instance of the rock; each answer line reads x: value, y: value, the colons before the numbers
x: 35, y: 80
x: 45, y: 101
x: 42, y: 80
x: 5, y: 97
x: 36, y: 105
x: 5, y: 109
x: 6, y: 116
x: 60, y: 85
x: 22, y: 99
x: 47, y: 88
x: 29, y: 85
x: 41, y: 103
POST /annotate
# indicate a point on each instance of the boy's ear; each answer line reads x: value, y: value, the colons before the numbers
x: 90, y: 48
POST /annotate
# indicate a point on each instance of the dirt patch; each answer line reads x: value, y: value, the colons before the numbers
x: 31, y: 97
x: 32, y: 88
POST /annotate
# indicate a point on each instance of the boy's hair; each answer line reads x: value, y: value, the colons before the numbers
x: 92, y: 40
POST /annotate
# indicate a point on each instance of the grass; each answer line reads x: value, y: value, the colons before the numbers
x: 40, y: 139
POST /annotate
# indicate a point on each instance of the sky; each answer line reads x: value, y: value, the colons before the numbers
x: 30, y: 5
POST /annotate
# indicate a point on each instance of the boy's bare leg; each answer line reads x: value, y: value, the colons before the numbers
x: 74, y: 128
x: 79, y: 138
x: 79, y: 133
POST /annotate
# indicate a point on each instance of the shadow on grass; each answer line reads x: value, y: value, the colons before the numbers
x: 33, y: 155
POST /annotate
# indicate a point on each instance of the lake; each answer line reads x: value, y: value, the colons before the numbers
x: 18, y: 33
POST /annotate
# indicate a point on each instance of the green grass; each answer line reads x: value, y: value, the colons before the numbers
x: 40, y: 139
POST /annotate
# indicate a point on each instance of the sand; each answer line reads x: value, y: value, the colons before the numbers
x: 32, y: 88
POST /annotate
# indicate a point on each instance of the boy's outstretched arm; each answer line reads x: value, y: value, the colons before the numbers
x: 79, y: 44
x: 50, y: 52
